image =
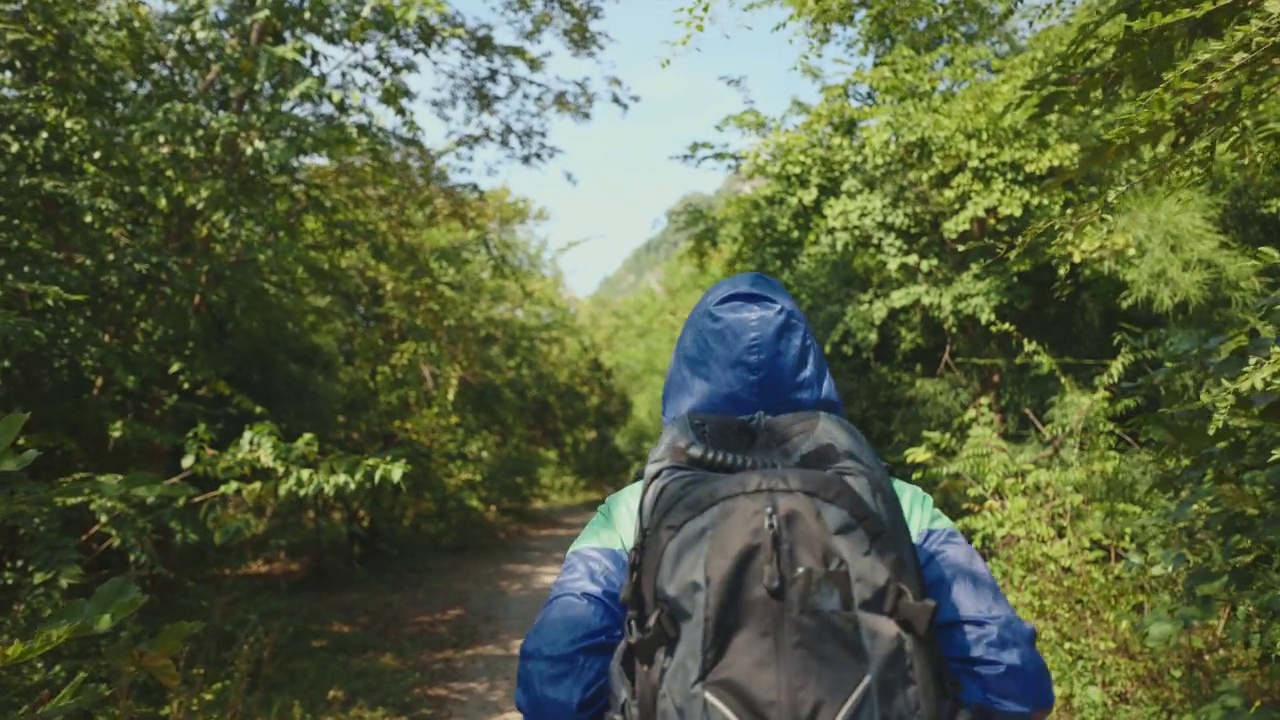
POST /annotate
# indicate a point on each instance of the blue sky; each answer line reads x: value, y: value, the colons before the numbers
x: 626, y: 178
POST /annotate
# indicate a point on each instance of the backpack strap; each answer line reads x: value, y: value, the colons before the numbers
x: 914, y: 615
x: 658, y: 631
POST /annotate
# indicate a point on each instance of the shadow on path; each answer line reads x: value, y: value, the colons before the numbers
x: 438, y: 637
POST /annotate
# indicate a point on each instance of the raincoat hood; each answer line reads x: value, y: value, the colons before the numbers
x: 746, y: 347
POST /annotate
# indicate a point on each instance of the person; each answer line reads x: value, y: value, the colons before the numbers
x: 745, y: 348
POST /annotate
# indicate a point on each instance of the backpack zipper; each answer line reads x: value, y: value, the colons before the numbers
x: 773, y: 584
x: 772, y: 555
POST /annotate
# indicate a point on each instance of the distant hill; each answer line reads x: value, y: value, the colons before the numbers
x: 645, y: 264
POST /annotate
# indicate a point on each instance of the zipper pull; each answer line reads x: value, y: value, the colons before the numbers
x: 772, y: 556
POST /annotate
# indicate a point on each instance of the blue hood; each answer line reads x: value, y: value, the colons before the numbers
x: 746, y: 348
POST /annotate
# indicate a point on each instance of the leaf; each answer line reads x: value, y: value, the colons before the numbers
x: 1212, y: 587
x: 75, y: 697
x: 112, y: 602
x: 44, y: 640
x: 1161, y: 631
x: 161, y: 668
x: 288, y: 51
x: 10, y: 426
x: 13, y: 463
x: 171, y: 638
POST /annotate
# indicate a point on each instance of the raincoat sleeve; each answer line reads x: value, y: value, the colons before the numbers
x: 563, y: 673
x: 990, y: 651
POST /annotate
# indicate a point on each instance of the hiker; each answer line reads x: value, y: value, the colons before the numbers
x: 746, y: 348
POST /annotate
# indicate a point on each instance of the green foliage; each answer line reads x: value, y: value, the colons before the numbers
x: 46, y: 632
x: 251, y: 314
x: 1040, y: 243
x: 1186, y: 80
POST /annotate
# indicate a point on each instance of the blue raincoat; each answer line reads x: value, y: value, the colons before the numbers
x: 746, y: 347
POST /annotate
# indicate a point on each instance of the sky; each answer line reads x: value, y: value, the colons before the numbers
x: 626, y: 175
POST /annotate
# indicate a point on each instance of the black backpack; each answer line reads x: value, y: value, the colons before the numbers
x: 773, y: 577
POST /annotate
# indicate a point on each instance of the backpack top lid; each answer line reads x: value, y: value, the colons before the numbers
x: 812, y: 438
x: 746, y: 348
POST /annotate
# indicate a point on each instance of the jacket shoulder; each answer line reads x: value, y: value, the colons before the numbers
x: 614, y: 525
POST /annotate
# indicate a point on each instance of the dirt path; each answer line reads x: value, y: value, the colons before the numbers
x: 498, y: 598
x: 435, y: 636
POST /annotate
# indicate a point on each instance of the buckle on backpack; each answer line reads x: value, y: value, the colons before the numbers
x: 658, y: 632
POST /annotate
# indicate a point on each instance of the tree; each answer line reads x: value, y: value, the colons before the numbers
x: 249, y: 309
